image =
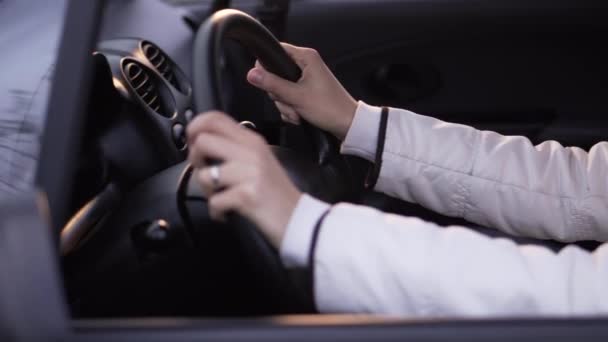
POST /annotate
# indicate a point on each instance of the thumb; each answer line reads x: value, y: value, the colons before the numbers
x: 284, y: 90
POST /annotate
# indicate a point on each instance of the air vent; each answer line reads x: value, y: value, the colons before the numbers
x: 145, y: 85
x: 161, y: 62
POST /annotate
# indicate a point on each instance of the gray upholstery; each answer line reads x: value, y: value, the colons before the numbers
x: 32, y: 305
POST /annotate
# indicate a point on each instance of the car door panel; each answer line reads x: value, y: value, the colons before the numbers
x: 523, y: 68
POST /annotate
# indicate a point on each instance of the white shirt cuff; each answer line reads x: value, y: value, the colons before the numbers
x: 362, y: 136
x: 295, y: 247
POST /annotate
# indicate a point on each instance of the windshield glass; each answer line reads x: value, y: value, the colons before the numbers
x: 29, y: 35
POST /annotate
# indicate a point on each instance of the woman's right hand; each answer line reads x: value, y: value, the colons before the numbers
x: 318, y: 97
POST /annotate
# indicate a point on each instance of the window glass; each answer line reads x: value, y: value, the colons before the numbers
x: 29, y: 35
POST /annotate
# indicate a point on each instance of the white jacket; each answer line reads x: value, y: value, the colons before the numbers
x: 366, y: 261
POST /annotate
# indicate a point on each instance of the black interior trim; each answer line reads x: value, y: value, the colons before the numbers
x: 339, y: 328
x: 67, y: 103
x: 311, y: 255
x: 372, y: 178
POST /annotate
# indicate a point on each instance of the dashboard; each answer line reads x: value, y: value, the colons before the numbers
x: 155, y: 21
x: 141, y: 101
x: 143, y: 73
x: 140, y: 104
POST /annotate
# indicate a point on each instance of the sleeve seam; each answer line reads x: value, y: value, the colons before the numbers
x: 465, y: 186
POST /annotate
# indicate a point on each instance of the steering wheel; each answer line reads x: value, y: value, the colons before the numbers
x: 242, y: 28
x: 326, y: 177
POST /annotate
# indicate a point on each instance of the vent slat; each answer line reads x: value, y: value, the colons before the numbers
x: 165, y: 69
x: 144, y: 86
x: 151, y: 52
x: 161, y: 62
x: 149, y: 97
x: 154, y: 99
x: 146, y: 96
x: 140, y: 83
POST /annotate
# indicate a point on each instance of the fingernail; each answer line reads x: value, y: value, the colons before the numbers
x: 255, y: 76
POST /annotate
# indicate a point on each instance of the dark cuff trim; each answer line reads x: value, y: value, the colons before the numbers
x: 374, y: 171
x: 311, y: 255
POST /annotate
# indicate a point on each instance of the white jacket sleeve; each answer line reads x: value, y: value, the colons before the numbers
x: 544, y: 191
x: 365, y: 261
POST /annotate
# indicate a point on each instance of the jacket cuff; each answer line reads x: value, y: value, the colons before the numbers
x: 362, y: 136
x: 297, y: 242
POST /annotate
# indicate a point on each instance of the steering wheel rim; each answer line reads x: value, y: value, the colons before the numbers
x: 208, y: 46
x: 244, y: 29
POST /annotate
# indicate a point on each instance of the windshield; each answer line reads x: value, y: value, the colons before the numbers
x: 29, y: 35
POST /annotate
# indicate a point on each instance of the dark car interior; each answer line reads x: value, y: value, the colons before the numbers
x: 137, y: 247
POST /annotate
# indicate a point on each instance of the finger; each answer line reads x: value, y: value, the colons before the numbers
x: 288, y: 112
x: 289, y: 120
x: 231, y: 200
x: 286, y: 119
x: 206, y: 187
x: 284, y: 90
x: 205, y: 180
x: 298, y: 54
x: 286, y: 109
x: 210, y: 146
x: 230, y: 174
x: 259, y: 65
x: 213, y: 122
x: 291, y: 49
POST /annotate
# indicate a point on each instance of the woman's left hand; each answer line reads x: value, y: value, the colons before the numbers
x: 249, y: 179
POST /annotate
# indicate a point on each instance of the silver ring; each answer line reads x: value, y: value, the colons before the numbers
x: 214, y: 171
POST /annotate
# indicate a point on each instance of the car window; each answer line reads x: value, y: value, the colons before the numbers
x: 29, y: 33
